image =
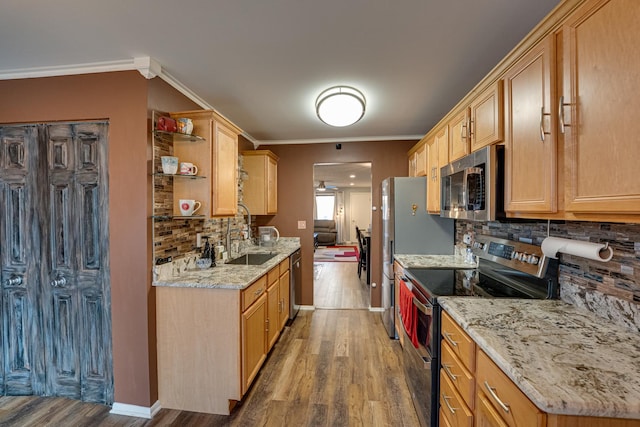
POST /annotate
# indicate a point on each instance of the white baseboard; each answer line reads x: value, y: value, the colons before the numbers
x: 135, y: 411
x: 307, y: 307
x: 376, y: 309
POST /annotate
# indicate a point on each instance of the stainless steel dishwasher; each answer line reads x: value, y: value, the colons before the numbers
x: 295, y: 267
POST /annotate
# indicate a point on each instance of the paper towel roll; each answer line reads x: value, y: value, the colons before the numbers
x: 596, y: 251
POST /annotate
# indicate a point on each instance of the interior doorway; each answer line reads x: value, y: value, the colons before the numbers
x: 335, y: 274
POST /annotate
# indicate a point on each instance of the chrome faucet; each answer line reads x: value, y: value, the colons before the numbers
x: 242, y: 205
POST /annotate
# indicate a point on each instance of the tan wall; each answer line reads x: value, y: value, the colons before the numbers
x: 295, y: 194
x: 121, y: 98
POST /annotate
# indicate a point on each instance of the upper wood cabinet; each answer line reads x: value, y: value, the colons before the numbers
x: 599, y: 107
x: 487, y: 117
x: 418, y: 159
x: 216, y: 158
x: 530, y: 152
x: 478, y: 125
x: 437, y: 156
x: 261, y: 186
x: 459, y: 135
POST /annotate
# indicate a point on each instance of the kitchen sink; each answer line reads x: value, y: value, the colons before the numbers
x: 252, y: 259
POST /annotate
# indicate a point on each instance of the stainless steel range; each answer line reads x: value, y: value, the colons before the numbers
x: 506, y: 269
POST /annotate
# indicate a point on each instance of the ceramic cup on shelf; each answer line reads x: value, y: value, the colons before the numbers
x: 187, y: 168
x: 169, y: 165
x: 185, y: 126
x: 189, y: 206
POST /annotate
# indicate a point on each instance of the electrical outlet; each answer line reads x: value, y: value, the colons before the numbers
x: 302, y: 225
x: 198, y: 240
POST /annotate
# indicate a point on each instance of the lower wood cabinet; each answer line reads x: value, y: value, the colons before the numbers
x: 254, y: 341
x: 497, y: 401
x: 213, y: 342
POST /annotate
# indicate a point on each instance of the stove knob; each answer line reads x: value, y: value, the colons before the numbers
x: 515, y: 255
x: 526, y: 258
x: 534, y: 260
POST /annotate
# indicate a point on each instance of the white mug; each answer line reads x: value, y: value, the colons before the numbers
x: 169, y: 165
x: 189, y: 207
x: 187, y: 168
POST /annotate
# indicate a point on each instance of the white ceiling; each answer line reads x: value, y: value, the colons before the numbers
x: 263, y: 63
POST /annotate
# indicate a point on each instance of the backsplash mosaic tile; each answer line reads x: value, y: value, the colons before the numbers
x: 176, y: 237
x: 611, y: 289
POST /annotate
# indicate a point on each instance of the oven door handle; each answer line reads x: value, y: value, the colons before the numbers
x: 423, y: 308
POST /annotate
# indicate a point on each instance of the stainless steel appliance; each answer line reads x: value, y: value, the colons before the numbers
x: 295, y: 281
x: 506, y: 269
x: 472, y: 187
x: 408, y: 229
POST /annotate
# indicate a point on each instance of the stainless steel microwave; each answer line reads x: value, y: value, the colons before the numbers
x: 472, y: 187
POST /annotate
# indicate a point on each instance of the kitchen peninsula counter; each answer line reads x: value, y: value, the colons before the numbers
x: 225, y: 276
x: 567, y: 360
x: 433, y: 261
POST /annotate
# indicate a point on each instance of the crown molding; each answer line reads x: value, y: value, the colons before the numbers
x: 68, y: 70
x: 338, y: 140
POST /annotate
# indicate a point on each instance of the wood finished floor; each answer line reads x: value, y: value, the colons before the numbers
x: 337, y: 286
x: 330, y: 368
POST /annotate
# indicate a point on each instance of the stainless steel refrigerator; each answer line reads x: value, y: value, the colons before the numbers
x: 408, y: 231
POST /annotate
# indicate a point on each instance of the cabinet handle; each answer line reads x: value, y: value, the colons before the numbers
x: 503, y: 405
x: 449, y: 373
x: 58, y: 282
x: 561, y: 105
x: 470, y: 128
x: 447, y: 336
x: 446, y: 402
x: 542, y: 124
x: 13, y: 281
x: 267, y: 325
x: 463, y: 125
x: 259, y: 291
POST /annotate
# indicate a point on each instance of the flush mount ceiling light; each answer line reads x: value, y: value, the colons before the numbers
x: 340, y: 106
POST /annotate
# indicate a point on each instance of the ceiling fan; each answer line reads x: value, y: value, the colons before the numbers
x: 323, y: 187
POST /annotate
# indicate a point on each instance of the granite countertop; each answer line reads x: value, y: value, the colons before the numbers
x: 567, y: 360
x: 433, y: 261
x: 224, y: 276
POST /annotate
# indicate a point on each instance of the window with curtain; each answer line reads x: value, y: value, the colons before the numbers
x: 325, y: 206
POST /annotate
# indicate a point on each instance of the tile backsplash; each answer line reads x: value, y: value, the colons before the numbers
x: 611, y: 289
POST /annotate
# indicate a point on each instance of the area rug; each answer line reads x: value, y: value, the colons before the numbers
x: 336, y: 254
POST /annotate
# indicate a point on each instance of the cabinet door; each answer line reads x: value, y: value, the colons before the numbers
x: 459, y: 135
x: 486, y: 415
x: 225, y: 186
x: 254, y: 340
x: 438, y: 155
x: 487, y: 117
x: 284, y: 299
x: 530, y: 152
x: 600, y: 107
x: 421, y: 160
x: 272, y: 186
x: 273, y: 315
x: 19, y: 250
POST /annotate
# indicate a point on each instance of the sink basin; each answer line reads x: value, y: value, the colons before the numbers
x: 252, y: 259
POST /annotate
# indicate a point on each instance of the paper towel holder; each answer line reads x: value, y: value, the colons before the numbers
x: 551, y: 246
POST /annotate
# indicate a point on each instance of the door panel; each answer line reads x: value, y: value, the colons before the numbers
x: 19, y: 235
x: 54, y: 294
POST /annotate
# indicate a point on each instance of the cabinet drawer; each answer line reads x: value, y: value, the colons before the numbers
x: 273, y: 275
x: 460, y: 377
x: 452, y: 404
x: 516, y: 408
x: 459, y: 342
x: 253, y: 292
x: 284, y: 266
